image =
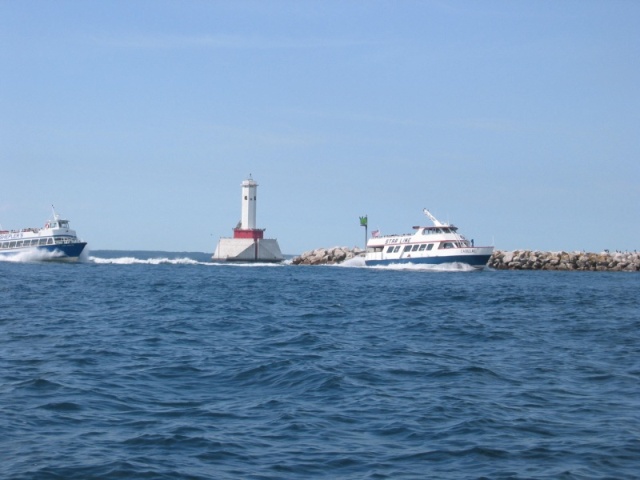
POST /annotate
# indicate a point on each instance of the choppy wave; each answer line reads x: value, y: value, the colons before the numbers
x: 287, y: 373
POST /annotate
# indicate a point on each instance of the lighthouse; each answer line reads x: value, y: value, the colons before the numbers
x: 247, y: 227
x: 249, y: 198
x: 248, y: 243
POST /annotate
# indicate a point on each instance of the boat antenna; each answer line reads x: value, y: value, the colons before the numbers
x: 55, y: 214
x: 435, y: 221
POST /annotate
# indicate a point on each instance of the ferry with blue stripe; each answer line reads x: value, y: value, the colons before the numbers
x: 435, y: 245
x: 55, y: 241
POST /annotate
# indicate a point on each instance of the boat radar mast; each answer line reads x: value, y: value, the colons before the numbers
x: 56, y: 217
x: 435, y: 221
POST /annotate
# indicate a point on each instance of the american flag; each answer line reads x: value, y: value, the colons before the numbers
x: 375, y: 233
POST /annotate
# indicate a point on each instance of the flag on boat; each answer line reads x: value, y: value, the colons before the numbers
x: 375, y: 233
x: 363, y: 221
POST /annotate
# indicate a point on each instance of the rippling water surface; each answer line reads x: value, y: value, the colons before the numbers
x: 177, y: 369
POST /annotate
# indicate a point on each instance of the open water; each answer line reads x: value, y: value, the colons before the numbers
x: 129, y: 367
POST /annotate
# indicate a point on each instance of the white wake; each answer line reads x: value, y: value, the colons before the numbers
x: 33, y: 256
x: 145, y: 261
x: 358, y: 262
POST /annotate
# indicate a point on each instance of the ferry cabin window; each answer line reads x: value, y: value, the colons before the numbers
x: 422, y: 247
x: 430, y: 246
x: 446, y: 245
x: 5, y: 244
x: 397, y: 249
x: 407, y: 248
x: 12, y: 244
x: 43, y: 241
x: 415, y: 248
x: 34, y: 241
x: 390, y: 250
x: 59, y: 240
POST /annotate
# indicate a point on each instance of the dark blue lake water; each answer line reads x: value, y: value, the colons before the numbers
x: 130, y: 367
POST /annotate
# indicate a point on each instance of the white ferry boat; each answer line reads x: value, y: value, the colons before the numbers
x: 434, y: 245
x: 55, y: 240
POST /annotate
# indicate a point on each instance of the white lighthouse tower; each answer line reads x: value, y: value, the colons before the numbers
x: 248, y: 243
x: 249, y: 189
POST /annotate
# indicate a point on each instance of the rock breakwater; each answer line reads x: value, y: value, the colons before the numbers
x: 327, y: 256
x: 505, y: 260
x: 582, y: 261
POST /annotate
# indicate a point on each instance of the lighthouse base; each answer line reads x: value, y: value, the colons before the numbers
x: 248, y: 250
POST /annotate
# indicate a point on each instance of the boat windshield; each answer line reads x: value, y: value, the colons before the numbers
x: 434, y: 230
x: 59, y: 224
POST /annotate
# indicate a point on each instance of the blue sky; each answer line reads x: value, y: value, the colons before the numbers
x: 518, y: 121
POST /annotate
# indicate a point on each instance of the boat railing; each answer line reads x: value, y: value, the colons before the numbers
x: 395, y: 235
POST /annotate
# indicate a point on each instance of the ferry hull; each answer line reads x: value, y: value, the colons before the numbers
x: 476, y: 261
x: 61, y: 252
